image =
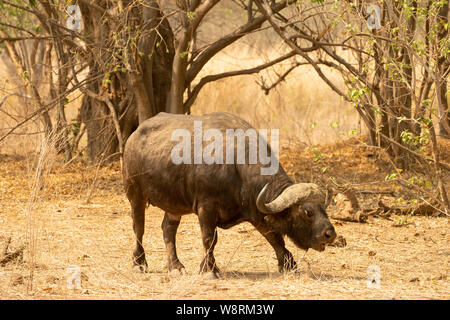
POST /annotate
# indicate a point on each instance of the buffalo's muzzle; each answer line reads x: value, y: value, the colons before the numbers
x: 329, y: 235
x: 325, y: 237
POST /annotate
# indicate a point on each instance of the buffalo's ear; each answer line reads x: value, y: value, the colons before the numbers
x: 278, y: 222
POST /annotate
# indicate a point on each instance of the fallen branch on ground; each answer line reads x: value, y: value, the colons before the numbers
x: 348, y: 209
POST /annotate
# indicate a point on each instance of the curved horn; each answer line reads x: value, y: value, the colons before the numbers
x: 260, y: 204
x: 293, y: 194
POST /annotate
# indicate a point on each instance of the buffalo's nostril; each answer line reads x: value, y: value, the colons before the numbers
x: 330, y: 234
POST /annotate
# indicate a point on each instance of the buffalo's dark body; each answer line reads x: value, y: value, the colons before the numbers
x: 220, y: 194
x: 179, y: 189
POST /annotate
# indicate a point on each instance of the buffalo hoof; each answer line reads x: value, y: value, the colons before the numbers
x: 288, y: 271
x: 206, y: 268
x: 176, y: 266
x: 210, y: 275
x: 289, y: 265
x: 140, y: 263
x: 177, y: 272
x: 140, y: 269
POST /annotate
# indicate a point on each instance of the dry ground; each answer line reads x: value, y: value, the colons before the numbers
x: 97, y: 237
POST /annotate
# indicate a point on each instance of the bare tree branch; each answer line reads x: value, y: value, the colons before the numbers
x: 193, y: 95
x: 225, y: 41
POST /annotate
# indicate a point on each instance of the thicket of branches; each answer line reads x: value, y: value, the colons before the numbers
x: 135, y: 58
x: 396, y: 74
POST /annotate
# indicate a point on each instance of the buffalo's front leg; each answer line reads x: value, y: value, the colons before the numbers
x: 169, y: 226
x: 208, y: 220
x: 285, y: 258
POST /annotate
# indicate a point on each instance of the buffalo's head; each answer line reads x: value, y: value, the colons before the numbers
x: 299, y: 212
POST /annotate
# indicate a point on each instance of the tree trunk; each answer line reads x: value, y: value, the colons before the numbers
x: 137, y: 93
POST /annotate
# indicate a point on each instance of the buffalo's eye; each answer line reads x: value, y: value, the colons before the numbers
x: 309, y: 213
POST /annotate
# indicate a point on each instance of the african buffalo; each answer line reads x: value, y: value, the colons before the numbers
x: 221, y: 194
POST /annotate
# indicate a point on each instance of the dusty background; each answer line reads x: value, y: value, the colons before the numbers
x: 60, y: 229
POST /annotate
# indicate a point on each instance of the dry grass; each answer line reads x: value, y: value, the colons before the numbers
x: 98, y: 237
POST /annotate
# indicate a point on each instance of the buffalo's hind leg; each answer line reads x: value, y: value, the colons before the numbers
x: 169, y: 226
x: 208, y: 226
x: 138, y: 203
